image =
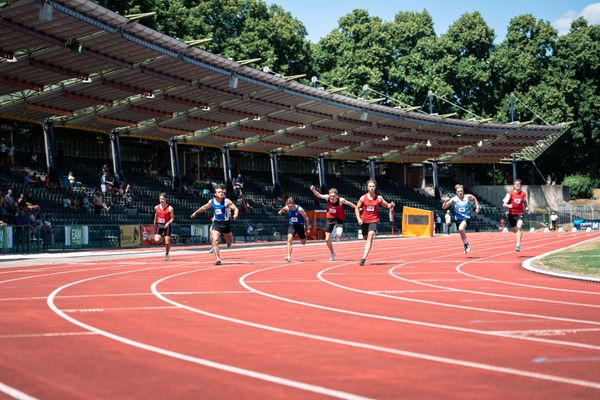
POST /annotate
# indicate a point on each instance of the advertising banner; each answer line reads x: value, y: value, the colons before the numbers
x: 76, y: 235
x: 130, y: 235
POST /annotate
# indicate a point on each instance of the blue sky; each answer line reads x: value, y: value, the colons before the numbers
x: 321, y: 17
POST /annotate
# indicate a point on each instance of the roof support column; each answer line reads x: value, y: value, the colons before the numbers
x: 274, y: 169
x: 514, y: 167
x: 430, y: 95
x: 372, y: 169
x: 175, y: 173
x: 436, y: 183
x: 227, y: 167
x: 115, y: 148
x: 321, y: 168
x: 51, y: 167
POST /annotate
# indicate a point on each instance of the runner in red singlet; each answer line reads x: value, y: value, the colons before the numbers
x: 163, y: 218
x: 367, y: 215
x: 335, y: 216
x: 516, y: 203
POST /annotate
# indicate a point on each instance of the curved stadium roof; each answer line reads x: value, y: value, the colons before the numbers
x: 86, y: 67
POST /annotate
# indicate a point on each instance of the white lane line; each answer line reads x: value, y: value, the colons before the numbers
x: 527, y: 264
x: 558, y: 360
x: 92, y: 310
x: 15, y: 393
x: 49, y: 334
x: 422, y: 282
x: 389, y: 350
x: 83, y: 296
x: 402, y: 320
x: 185, y: 357
x: 459, y: 269
x: 409, y: 291
x: 286, y: 281
x: 549, y: 332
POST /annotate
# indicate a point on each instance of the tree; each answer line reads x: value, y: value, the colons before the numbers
x: 240, y: 29
x: 354, y: 54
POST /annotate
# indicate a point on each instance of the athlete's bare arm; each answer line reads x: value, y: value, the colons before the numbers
x: 385, y: 203
x: 476, y: 203
x: 231, y: 205
x: 357, y: 209
x: 283, y: 209
x: 169, y: 222
x: 319, y: 195
x: 348, y: 203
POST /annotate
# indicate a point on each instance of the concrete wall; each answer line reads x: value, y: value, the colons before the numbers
x: 538, y: 196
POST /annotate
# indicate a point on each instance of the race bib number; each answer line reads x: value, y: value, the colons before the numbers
x: 461, y: 209
x: 160, y: 220
x: 370, y: 208
x: 294, y: 219
x: 332, y: 210
x: 218, y: 211
x: 517, y: 201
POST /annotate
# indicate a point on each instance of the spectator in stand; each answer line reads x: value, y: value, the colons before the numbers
x: 238, y: 185
x: 553, y: 180
x: 67, y: 203
x: 105, y: 183
x: 3, y: 211
x: 438, y: 223
x: 29, y: 200
x: 9, y: 202
x: 85, y: 204
x: 548, y: 180
x: 71, y: 178
x: 128, y: 196
x: 3, y: 154
x: 47, y: 232
x: 98, y: 203
x: 35, y: 179
x: 11, y: 155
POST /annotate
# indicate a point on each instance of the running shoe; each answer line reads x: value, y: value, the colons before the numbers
x: 218, y: 262
x: 332, y: 257
x: 166, y: 257
x: 467, y: 248
x: 362, y: 261
x: 288, y: 258
x: 518, y: 248
x: 228, y: 244
x: 212, y: 250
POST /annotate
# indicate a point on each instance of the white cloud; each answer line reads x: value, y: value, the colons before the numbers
x: 591, y: 13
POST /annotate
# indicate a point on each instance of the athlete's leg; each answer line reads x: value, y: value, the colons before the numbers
x: 167, y: 247
x: 290, y: 239
x: 519, y: 233
x: 328, y: 241
x: 369, y: 243
x: 228, y: 238
x: 339, y: 231
x: 461, y: 230
x: 214, y: 237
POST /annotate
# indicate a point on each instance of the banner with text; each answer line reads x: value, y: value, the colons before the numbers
x: 130, y: 235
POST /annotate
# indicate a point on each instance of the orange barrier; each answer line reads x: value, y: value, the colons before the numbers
x: 417, y: 222
x: 315, y: 232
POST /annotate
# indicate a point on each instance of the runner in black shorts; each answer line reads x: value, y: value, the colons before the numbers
x: 297, y: 217
x: 163, y: 218
x: 335, y: 216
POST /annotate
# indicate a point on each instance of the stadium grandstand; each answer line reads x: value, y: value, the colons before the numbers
x: 82, y: 86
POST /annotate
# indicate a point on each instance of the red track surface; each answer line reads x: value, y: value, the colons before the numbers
x: 420, y: 320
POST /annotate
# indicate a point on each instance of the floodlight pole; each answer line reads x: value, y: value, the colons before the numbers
x: 512, y: 107
x: 321, y: 168
x: 51, y: 167
x: 514, y: 167
x: 275, y: 173
x: 436, y: 190
x: 115, y: 148
x: 175, y: 173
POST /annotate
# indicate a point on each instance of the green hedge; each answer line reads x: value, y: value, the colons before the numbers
x: 580, y: 186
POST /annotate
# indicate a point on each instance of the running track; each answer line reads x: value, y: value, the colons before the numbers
x: 421, y: 320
